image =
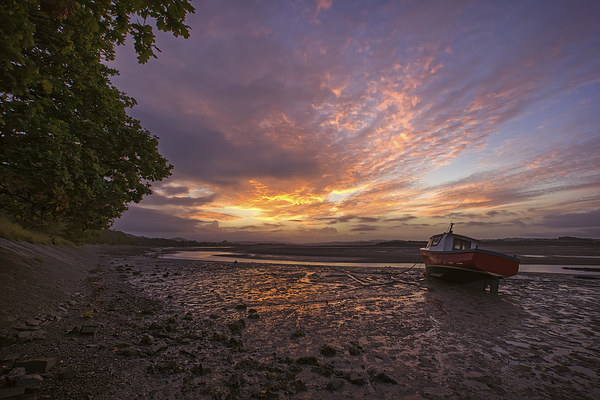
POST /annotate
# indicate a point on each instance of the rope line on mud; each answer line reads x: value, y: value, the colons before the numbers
x: 391, y: 282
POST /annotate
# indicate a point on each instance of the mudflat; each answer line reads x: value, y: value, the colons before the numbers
x: 144, y: 327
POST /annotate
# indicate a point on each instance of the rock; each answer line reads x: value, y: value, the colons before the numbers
x: 147, y: 339
x: 33, y: 322
x: 128, y: 352
x: 241, y: 307
x: 38, y: 335
x: 382, y: 377
x: 327, y: 350
x: 237, y: 326
x: 67, y: 373
x: 198, y: 369
x: 298, y: 334
x: 437, y: 391
x: 354, y: 349
x: 89, y: 330
x: 9, y: 360
x: 184, y: 340
x: 12, y: 393
x: 157, y: 348
x: 30, y: 382
x: 325, y: 370
x: 155, y: 326
x: 21, y: 327
x: 24, y: 336
x: 164, y: 367
x: 357, y: 378
x: 14, y: 375
x: 253, y: 316
x: 308, y: 360
x: 40, y: 365
x: 235, y: 382
x: 335, y: 384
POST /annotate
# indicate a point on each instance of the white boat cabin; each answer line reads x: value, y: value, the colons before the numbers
x: 449, y: 242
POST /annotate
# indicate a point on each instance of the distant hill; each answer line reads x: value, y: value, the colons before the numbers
x: 113, y: 237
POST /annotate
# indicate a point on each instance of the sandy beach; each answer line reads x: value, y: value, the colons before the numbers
x: 139, y: 326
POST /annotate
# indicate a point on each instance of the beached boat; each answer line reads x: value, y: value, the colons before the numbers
x: 459, y: 258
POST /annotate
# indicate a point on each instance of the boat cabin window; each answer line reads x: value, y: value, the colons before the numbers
x: 434, y: 241
x: 460, y: 244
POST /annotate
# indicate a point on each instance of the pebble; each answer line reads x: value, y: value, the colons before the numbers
x: 237, y: 326
x: 335, y: 384
x: 357, y: 378
x: 39, y: 365
x: 327, y: 350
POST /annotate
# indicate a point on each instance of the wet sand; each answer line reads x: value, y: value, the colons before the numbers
x: 187, y: 329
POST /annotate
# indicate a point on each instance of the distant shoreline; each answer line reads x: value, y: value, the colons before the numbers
x: 569, y: 255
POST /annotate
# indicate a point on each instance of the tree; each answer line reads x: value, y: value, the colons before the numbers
x: 71, y: 158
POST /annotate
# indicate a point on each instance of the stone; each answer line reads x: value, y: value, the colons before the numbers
x: 357, y: 378
x: 164, y: 367
x: 354, y: 349
x: 155, y: 326
x: 237, y: 326
x: 184, y: 340
x: 335, y: 384
x: 21, y: 327
x: 89, y: 330
x: 40, y: 365
x: 30, y: 382
x: 308, y: 360
x: 67, y: 373
x: 24, y: 336
x: 9, y: 359
x: 198, y: 369
x: 235, y: 382
x: 382, y: 377
x: 147, y: 339
x: 327, y: 350
x: 298, y: 334
x: 28, y: 336
x: 240, y: 307
x: 14, y: 375
x: 38, y: 335
x: 157, y: 348
x: 128, y: 352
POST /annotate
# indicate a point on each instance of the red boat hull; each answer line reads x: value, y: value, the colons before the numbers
x: 477, y: 261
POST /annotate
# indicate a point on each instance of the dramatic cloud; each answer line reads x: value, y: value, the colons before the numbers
x: 321, y: 120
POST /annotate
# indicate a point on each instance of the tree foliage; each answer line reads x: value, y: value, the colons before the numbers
x: 71, y: 158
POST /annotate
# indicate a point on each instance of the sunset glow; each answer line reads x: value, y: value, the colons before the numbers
x: 311, y: 121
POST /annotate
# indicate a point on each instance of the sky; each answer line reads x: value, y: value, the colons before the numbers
x: 329, y: 120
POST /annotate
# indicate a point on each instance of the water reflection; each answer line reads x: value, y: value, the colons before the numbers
x: 227, y: 256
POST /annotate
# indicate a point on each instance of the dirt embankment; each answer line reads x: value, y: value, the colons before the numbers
x: 35, y: 279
